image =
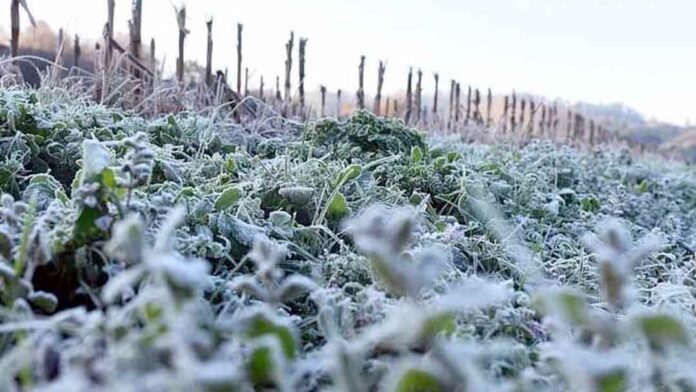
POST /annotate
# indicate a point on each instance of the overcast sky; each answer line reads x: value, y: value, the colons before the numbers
x: 639, y: 52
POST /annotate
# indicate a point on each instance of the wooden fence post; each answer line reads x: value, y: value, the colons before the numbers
x: 380, y: 83
x: 77, y: 51
x: 322, y: 88
x: 209, y: 53
x: 396, y: 107
x: 240, y: 28
x: 592, y: 133
x: 301, y: 58
x: 542, y: 121
x: 489, y: 105
x: 513, y: 113
x: 181, y: 19
x: 450, y: 115
x: 532, y: 113
x: 419, y: 97
x: 555, y: 120
x: 506, y: 103
x: 569, y: 125
x: 338, y: 103
x: 457, y: 96
x: 478, y: 119
x: 135, y: 35
x: 468, y: 106
x: 288, y: 64
x: 14, y: 21
x: 386, y: 107
x: 261, y: 88
x: 278, y: 97
x: 153, y: 59
x: 59, y: 48
x: 246, y: 81
x: 361, y: 83
x: 409, y: 93
x: 523, y: 106
x: 435, y: 98
x: 109, y: 32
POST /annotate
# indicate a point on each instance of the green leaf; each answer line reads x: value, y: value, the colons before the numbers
x: 261, y: 326
x: 348, y: 174
x: 260, y: 367
x: 662, y: 330
x: 85, y: 229
x: 590, y: 204
x: 438, y: 324
x: 416, y: 154
x: 338, y: 207
x: 644, y: 186
x: 613, y: 382
x: 417, y: 380
x: 228, y: 198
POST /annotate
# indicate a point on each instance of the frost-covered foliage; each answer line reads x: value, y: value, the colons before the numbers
x: 178, y: 254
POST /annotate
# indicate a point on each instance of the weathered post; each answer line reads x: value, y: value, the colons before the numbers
x: 59, y: 47
x: 569, y: 125
x: 134, y: 33
x: 278, y: 97
x: 109, y: 32
x: 386, y: 107
x: 209, y: 53
x: 288, y: 64
x: 592, y: 133
x: 468, y: 106
x: 322, y: 88
x: 513, y: 113
x: 450, y: 115
x: 435, y: 98
x: 523, y: 106
x: 506, y: 103
x: 380, y: 82
x: 489, y: 104
x: 181, y: 19
x: 77, y: 51
x: 419, y: 97
x: 361, y: 86
x: 246, y: 81
x: 14, y: 21
x: 396, y: 108
x: 338, y: 103
x: 301, y: 90
x: 240, y: 28
x: 409, y: 93
x: 153, y: 58
x: 261, y: 86
x: 457, y: 96
x: 542, y: 121
x: 532, y: 113
x: 14, y: 24
x: 478, y: 119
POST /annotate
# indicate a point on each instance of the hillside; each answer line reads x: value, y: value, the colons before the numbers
x: 186, y: 252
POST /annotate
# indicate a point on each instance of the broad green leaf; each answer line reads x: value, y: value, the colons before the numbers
x: 590, y: 204
x: 613, y: 382
x: 417, y: 380
x: 662, y: 330
x: 228, y: 198
x: 261, y: 326
x: 260, y: 366
x: 416, y: 154
x: 338, y: 207
x: 437, y: 324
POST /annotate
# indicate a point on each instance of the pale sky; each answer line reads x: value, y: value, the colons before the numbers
x: 639, y: 52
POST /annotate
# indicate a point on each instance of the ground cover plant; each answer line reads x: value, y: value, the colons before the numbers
x: 184, y: 253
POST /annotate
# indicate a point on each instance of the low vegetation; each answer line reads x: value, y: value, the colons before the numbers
x: 182, y: 253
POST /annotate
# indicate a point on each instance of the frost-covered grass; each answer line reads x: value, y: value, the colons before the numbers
x: 184, y: 253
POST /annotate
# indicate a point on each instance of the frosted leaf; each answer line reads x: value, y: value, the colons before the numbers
x: 95, y: 158
x: 293, y: 287
x: 166, y: 236
x: 127, y: 241
x: 297, y: 195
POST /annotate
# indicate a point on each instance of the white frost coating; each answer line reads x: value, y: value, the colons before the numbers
x: 95, y: 158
